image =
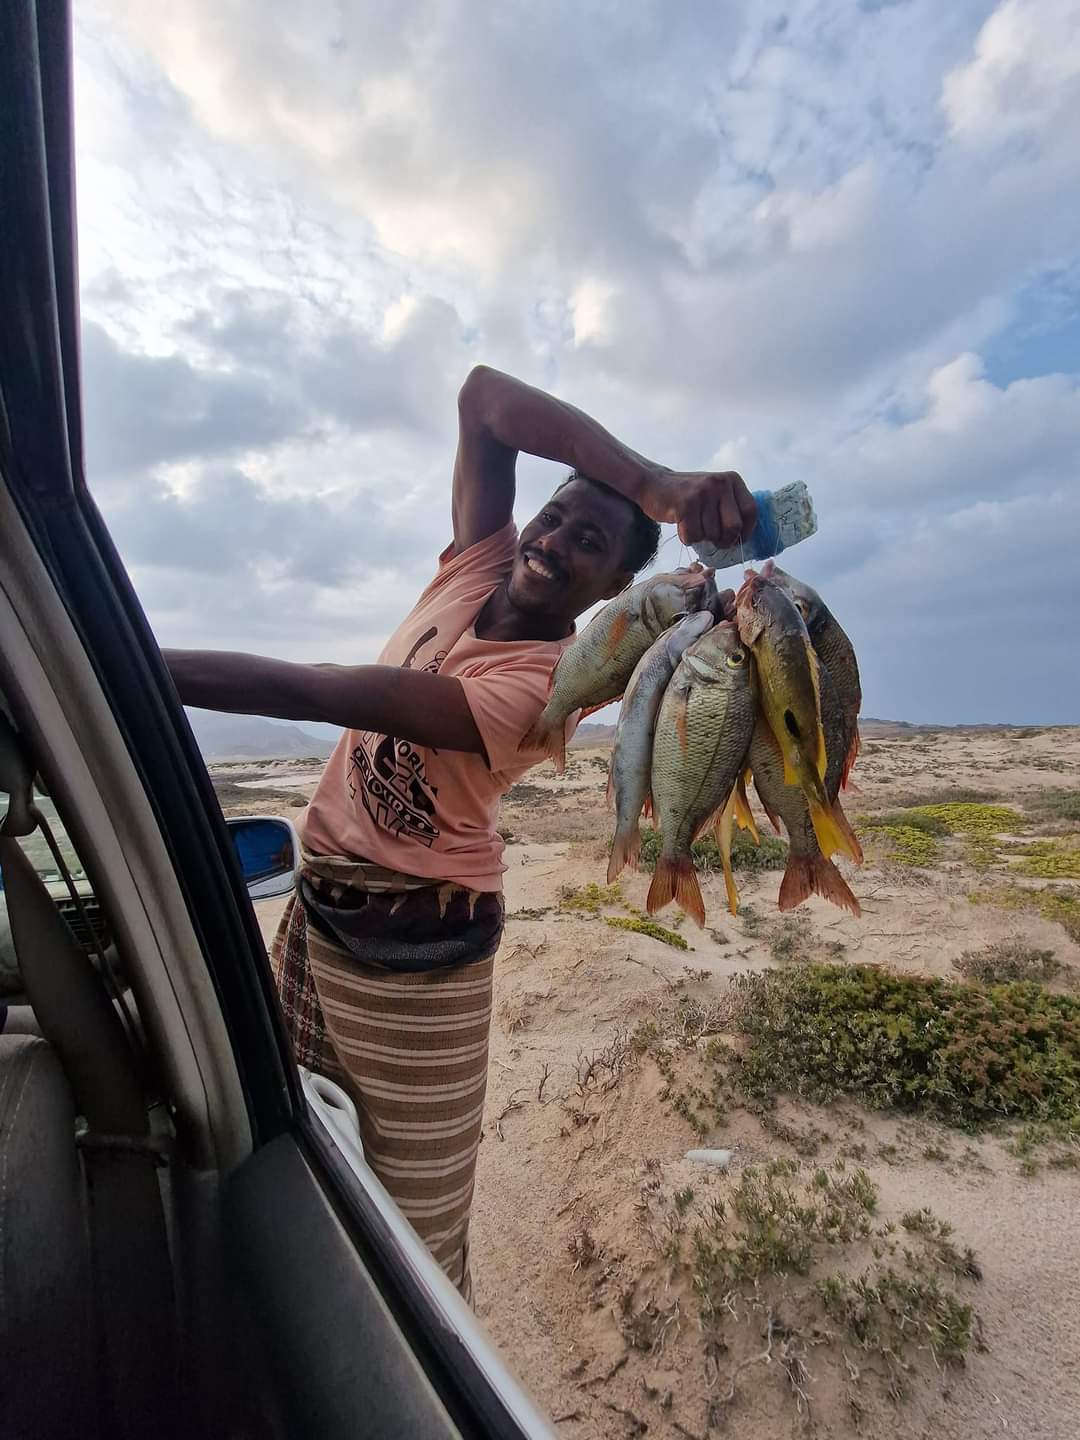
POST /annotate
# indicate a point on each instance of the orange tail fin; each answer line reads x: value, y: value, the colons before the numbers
x: 647, y: 808
x: 625, y: 850
x: 814, y: 875
x: 676, y: 880
x: 551, y: 742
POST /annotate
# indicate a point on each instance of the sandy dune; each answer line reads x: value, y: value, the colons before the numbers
x: 571, y: 1193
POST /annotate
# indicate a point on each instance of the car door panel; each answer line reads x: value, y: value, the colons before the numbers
x: 350, y: 1373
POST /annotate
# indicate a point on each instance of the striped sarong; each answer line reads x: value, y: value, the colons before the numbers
x: 410, y: 1048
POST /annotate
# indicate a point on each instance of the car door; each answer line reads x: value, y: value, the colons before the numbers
x: 305, y: 1303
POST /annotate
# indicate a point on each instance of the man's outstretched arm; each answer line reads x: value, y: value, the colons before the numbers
x: 413, y: 705
x: 498, y: 417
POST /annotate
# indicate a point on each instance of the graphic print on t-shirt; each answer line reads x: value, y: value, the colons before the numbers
x: 390, y: 773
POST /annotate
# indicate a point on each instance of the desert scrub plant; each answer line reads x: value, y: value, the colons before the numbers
x: 780, y: 1223
x: 945, y: 795
x: 967, y: 1054
x: 1054, y: 804
x: 979, y: 824
x: 912, y: 818
x: 591, y: 898
x: 887, y: 1312
x: 1052, y: 902
x: 753, y: 922
x: 641, y: 925
x: 1048, y: 860
x: 771, y: 854
x: 937, y: 1234
x: 775, y: 1222
x: 790, y: 940
x: 1007, y: 960
x: 907, y: 844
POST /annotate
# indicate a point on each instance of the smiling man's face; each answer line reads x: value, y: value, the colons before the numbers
x: 574, y: 552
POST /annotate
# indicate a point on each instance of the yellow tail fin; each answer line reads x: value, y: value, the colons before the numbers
x: 744, y: 816
x: 723, y: 839
x: 834, y: 834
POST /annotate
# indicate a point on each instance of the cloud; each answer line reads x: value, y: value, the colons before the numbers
x: 271, y: 373
x: 142, y: 409
x: 784, y: 207
x: 794, y: 244
x: 1023, y: 81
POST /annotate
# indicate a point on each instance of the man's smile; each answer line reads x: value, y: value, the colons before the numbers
x: 536, y: 566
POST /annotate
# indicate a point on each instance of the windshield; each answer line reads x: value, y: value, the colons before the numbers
x: 36, y: 847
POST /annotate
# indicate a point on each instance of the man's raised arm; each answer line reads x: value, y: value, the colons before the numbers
x: 499, y: 416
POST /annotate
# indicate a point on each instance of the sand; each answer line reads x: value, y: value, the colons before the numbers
x: 553, y: 1170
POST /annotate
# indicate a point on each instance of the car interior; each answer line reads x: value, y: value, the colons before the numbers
x: 190, y: 1242
x: 133, y: 1254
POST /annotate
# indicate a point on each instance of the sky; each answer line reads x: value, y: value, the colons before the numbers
x: 825, y: 240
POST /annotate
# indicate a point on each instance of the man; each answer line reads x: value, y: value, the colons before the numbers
x: 384, y: 955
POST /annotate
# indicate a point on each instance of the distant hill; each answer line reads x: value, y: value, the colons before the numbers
x: 870, y: 727
x: 249, y: 737
x: 593, y: 734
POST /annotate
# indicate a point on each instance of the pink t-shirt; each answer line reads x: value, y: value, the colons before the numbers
x: 429, y: 812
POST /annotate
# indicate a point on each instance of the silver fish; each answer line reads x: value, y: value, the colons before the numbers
x: 631, y: 753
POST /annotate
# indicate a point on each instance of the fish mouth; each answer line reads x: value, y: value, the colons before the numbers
x: 540, y: 568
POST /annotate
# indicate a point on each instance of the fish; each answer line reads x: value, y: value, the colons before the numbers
x: 700, y: 749
x: 595, y: 669
x: 789, y: 674
x: 808, y: 870
x: 833, y: 649
x: 631, y: 752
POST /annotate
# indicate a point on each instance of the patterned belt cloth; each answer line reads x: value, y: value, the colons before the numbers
x: 385, y: 980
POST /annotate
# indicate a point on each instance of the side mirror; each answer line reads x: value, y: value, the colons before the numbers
x: 268, y: 849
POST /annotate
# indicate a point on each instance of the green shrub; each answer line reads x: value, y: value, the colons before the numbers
x: 1054, y: 804
x: 908, y: 844
x: 771, y: 854
x: 890, y: 1311
x: 1007, y: 960
x: 591, y: 897
x: 947, y: 795
x: 1049, y: 860
x: 979, y: 824
x: 913, y: 819
x: 640, y: 925
x: 1052, y: 902
x: 966, y: 1054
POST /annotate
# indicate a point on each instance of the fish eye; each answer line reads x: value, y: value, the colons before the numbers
x: 736, y: 659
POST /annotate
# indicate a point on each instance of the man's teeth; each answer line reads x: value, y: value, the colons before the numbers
x: 539, y: 568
